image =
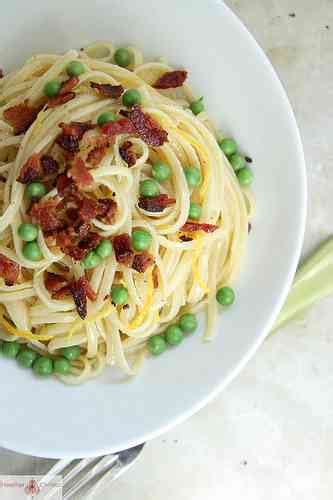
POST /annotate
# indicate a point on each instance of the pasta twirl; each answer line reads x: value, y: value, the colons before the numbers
x: 119, y: 210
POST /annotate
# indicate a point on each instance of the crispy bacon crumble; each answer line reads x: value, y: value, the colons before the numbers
x: 123, y: 249
x: 155, y: 203
x: 107, y: 90
x: 9, y: 270
x: 171, y: 80
x: 190, y: 227
x: 127, y: 155
x: 21, y: 116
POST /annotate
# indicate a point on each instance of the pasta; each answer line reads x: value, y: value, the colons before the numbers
x: 97, y: 248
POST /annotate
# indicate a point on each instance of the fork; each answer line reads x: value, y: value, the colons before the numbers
x: 90, y: 475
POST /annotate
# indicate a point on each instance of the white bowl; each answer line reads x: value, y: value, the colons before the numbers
x: 244, y: 95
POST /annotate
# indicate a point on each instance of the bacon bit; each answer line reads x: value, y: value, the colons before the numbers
x: 1, y: 73
x: 35, y: 167
x: 70, y: 143
x: 155, y: 277
x: 171, y: 80
x: 107, y: 209
x: 155, y: 203
x: 55, y: 282
x: 123, y: 249
x: 80, y: 174
x: 50, y: 165
x: 46, y: 214
x: 65, y: 186
x: 69, y: 85
x: 62, y: 293
x: 81, y: 290
x: 79, y: 293
x: 88, y: 209
x: 190, y: 227
x: 185, y: 238
x: 72, y: 133
x: 122, y: 126
x: 89, y: 242
x: 78, y: 129
x: 2, y: 178
x: 127, y: 155
x: 20, y: 117
x: 96, y: 155
x: 71, y: 244
x: 9, y: 270
x: 60, y: 99
x: 31, y: 170
x: 147, y: 128
x: 107, y: 90
x: 142, y: 261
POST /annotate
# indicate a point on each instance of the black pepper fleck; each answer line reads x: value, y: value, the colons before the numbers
x: 292, y: 14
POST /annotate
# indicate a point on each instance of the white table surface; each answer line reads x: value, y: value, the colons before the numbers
x: 270, y: 434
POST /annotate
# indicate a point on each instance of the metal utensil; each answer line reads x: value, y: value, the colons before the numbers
x: 90, y: 476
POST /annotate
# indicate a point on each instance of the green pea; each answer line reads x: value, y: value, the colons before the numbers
x: 119, y: 295
x: 71, y: 353
x: 141, y: 239
x: 75, y: 68
x: 149, y: 188
x: 156, y: 345
x: 173, y: 335
x: 31, y: 251
x: 228, y: 146
x: 131, y: 97
x: 28, y: 232
x: 10, y: 349
x: 52, y: 87
x: 193, y: 176
x: 36, y: 190
x: 197, y: 106
x: 27, y: 357
x: 91, y: 260
x: 245, y: 176
x: 43, y: 366
x: 106, y: 117
x: 225, y: 296
x: 61, y: 366
x: 122, y: 57
x: 188, y: 323
x: 237, y: 161
x: 104, y: 249
x: 195, y: 211
x: 161, y: 171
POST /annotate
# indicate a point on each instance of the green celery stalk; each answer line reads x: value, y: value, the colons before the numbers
x: 313, y: 281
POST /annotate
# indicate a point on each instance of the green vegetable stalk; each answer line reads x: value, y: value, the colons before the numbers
x: 313, y: 282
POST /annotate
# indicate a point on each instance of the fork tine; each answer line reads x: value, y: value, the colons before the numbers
x: 102, y: 465
x: 121, y: 466
x: 57, y: 468
x: 77, y: 469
